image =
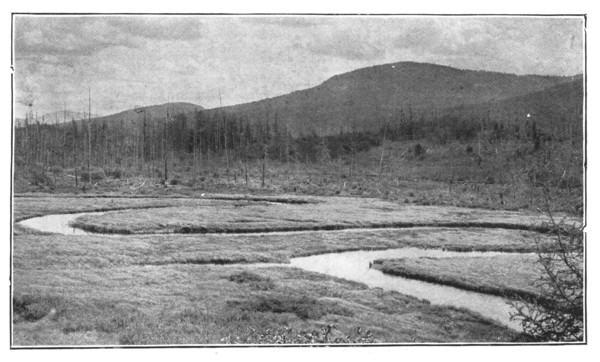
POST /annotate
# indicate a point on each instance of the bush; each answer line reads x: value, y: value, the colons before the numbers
x: 38, y: 177
x: 418, y: 150
x: 327, y: 334
x: 32, y: 308
x: 95, y: 175
x: 116, y: 173
x: 558, y: 314
x: 56, y: 170
x: 490, y: 180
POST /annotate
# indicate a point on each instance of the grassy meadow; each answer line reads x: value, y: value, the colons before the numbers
x: 220, y: 216
x: 504, y: 275
x: 231, y: 288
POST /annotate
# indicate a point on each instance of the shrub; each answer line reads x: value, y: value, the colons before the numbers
x: 560, y: 318
x: 255, y: 281
x: 418, y: 150
x: 327, y: 334
x: 38, y: 177
x: 490, y: 180
x: 116, y: 173
x: 94, y: 175
x: 32, y: 308
x: 56, y: 170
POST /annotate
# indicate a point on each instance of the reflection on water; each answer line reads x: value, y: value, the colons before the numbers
x: 58, y: 224
x: 354, y: 266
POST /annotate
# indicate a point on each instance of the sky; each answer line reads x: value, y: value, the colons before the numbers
x: 130, y: 61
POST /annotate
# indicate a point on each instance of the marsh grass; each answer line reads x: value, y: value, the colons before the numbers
x: 32, y: 308
x: 510, y: 276
x: 198, y: 304
x: 166, y: 289
x: 254, y: 281
x: 304, y: 307
x: 223, y: 216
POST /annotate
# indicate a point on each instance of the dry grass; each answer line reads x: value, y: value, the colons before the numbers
x: 32, y: 205
x: 504, y: 275
x: 199, y: 304
x: 61, y: 251
x: 164, y: 289
x: 212, y: 216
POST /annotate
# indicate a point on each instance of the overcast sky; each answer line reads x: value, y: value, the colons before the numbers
x: 145, y: 60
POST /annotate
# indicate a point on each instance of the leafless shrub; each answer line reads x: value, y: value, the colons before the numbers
x: 558, y: 315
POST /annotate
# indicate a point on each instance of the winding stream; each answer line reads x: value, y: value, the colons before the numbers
x: 57, y: 223
x: 352, y: 265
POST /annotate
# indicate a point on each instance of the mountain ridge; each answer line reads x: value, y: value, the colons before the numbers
x: 365, y: 96
x: 152, y: 111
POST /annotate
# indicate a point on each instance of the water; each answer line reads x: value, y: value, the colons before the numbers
x: 353, y: 265
x: 58, y: 224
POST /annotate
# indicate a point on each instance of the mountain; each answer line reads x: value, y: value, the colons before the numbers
x: 560, y: 103
x: 53, y: 117
x: 152, y: 112
x: 366, y: 96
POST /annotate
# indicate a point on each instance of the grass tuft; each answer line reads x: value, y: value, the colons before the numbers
x: 32, y: 308
x: 254, y: 281
x: 303, y: 307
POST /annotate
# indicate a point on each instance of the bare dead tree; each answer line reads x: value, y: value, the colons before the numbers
x: 225, y: 138
x: 89, y: 132
x: 166, y: 147
x: 382, y: 150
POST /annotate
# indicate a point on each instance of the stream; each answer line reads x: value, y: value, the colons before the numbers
x: 354, y: 266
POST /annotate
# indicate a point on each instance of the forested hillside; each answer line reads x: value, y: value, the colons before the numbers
x: 531, y: 124
x: 365, y: 98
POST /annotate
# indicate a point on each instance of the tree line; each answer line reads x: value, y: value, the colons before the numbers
x: 149, y: 146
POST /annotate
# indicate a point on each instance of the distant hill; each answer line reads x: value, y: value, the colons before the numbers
x: 53, y: 117
x: 560, y: 103
x: 152, y: 112
x: 368, y: 95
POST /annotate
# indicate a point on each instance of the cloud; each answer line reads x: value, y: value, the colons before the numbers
x: 285, y: 21
x: 511, y: 44
x: 54, y: 36
x: 85, y: 35
x: 143, y: 59
x: 346, y: 47
x: 160, y: 27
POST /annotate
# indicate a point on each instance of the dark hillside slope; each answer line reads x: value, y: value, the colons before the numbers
x: 365, y: 97
x: 554, y: 107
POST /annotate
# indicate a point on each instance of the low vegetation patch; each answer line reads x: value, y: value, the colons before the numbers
x: 93, y: 175
x: 505, y: 275
x: 31, y: 308
x: 253, y: 280
x: 221, y: 216
x: 327, y: 334
x: 166, y: 289
x: 303, y: 307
